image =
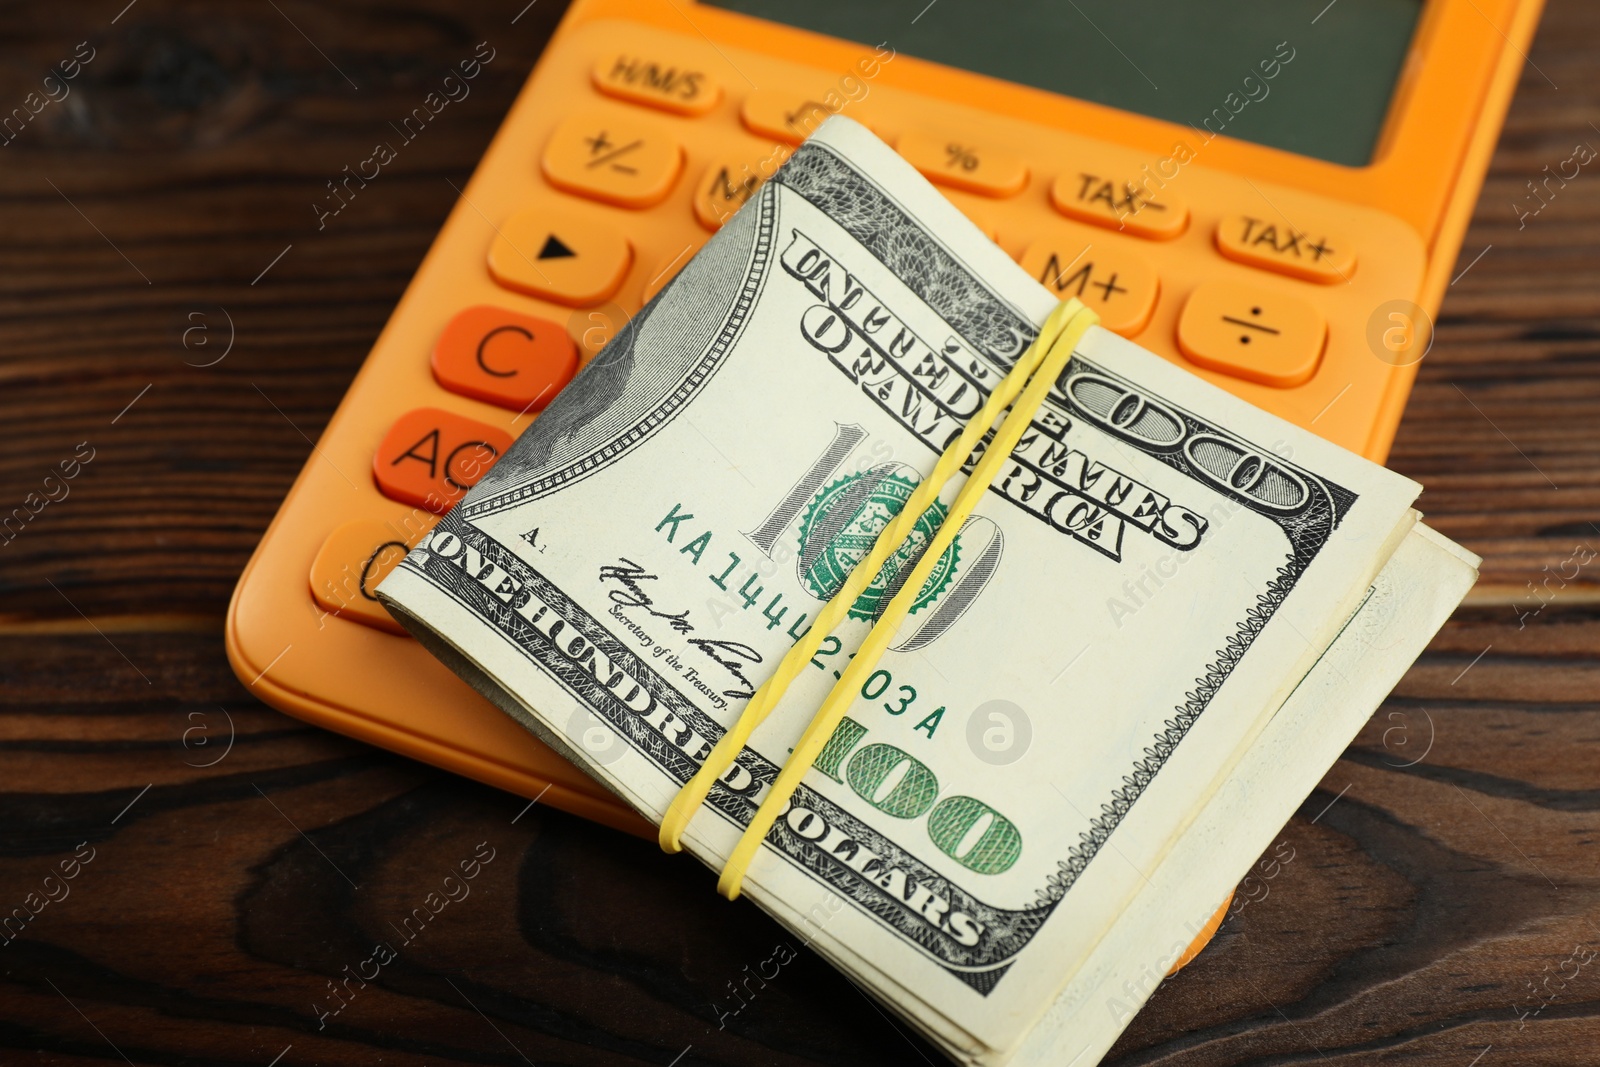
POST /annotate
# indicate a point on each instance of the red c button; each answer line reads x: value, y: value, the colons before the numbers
x: 504, y: 357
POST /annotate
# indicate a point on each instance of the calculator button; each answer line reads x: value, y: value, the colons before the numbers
x: 964, y: 164
x: 554, y: 254
x: 677, y: 87
x: 1136, y: 206
x: 786, y: 115
x: 1317, y: 253
x: 728, y: 183
x: 1252, y: 333
x: 503, y: 357
x: 351, y: 563
x: 1117, y: 284
x: 665, y: 270
x: 430, y: 457
x: 599, y: 155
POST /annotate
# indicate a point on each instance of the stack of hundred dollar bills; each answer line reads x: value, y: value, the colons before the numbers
x: 1160, y: 628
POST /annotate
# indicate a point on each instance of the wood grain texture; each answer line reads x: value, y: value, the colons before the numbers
x: 1440, y: 884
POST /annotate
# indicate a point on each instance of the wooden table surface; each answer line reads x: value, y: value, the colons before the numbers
x: 1442, y: 902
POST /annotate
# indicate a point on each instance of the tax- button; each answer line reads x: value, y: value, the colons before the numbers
x: 1140, y: 206
x: 560, y: 256
x: 964, y: 164
x: 728, y: 183
x: 504, y: 357
x: 353, y: 560
x: 431, y: 457
x: 599, y: 155
x: 1317, y: 253
x: 1119, y: 285
x: 677, y: 87
x: 1252, y: 333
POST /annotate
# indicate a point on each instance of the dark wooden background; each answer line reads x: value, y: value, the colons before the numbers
x: 1443, y: 898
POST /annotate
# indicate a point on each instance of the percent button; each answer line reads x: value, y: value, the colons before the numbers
x: 962, y: 163
x: 1252, y: 333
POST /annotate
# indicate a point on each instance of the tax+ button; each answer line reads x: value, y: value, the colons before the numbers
x: 1252, y: 333
x: 1318, y: 253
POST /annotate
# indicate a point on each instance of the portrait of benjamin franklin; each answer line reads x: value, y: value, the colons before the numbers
x: 644, y: 375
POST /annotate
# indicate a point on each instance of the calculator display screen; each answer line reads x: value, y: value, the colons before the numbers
x: 1301, y: 76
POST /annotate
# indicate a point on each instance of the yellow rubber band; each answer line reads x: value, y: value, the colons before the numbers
x: 727, y: 749
x: 1073, y: 320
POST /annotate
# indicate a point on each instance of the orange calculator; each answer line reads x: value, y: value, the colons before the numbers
x: 1270, y: 194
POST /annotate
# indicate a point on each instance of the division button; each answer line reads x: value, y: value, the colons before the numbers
x: 963, y: 163
x: 553, y: 253
x: 602, y: 155
x: 1252, y: 333
x: 682, y: 88
x: 354, y: 559
x: 1118, y: 284
x: 504, y: 357
x: 431, y: 457
x: 1140, y: 206
x: 1318, y: 253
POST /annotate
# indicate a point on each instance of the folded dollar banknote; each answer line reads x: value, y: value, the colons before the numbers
x: 1157, y: 630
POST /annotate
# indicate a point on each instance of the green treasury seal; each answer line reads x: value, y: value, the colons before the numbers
x: 839, y: 528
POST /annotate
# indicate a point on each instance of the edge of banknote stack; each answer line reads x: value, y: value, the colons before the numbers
x: 1180, y: 609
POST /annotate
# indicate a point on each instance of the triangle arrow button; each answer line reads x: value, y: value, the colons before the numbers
x: 549, y: 251
x: 555, y: 249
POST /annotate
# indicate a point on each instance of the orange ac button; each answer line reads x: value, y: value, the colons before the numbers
x: 503, y: 357
x: 1252, y: 333
x: 1143, y: 206
x: 354, y: 559
x: 677, y: 87
x: 1317, y: 253
x: 431, y: 457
